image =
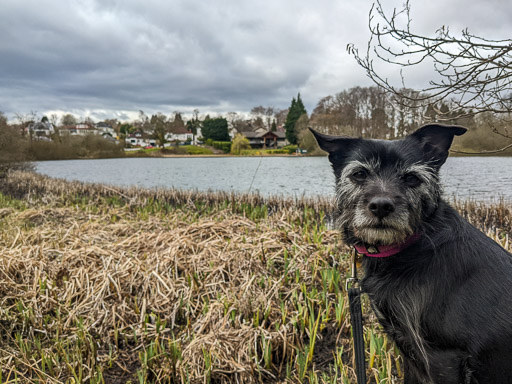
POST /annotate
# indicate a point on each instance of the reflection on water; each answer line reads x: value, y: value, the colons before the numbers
x: 480, y: 178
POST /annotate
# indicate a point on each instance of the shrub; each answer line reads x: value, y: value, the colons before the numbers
x: 224, y: 146
x: 73, y: 147
x: 13, y: 148
x: 278, y: 151
x: 250, y: 152
x: 240, y: 142
x: 290, y: 148
x: 195, y: 150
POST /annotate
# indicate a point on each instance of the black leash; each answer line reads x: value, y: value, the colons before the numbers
x: 356, y: 319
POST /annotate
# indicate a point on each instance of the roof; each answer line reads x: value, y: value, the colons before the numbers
x: 178, y: 130
x: 258, y: 135
x: 42, y: 125
x: 279, y: 135
x: 251, y: 135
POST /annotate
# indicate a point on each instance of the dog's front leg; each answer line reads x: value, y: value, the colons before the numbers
x: 451, y: 367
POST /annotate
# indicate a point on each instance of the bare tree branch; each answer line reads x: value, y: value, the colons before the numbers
x: 474, y: 73
x: 483, y: 152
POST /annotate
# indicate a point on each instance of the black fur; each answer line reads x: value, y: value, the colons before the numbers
x: 446, y: 300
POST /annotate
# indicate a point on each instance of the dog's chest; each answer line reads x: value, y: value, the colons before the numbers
x: 400, y: 310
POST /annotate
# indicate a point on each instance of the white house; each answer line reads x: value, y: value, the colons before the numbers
x: 178, y: 133
x: 139, y: 139
x: 107, y: 131
x: 41, y: 129
x: 79, y: 130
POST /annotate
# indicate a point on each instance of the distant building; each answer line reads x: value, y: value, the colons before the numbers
x: 41, y: 129
x: 178, y: 133
x: 79, y: 130
x: 102, y: 124
x: 140, y: 139
x: 266, y: 139
x: 106, y: 130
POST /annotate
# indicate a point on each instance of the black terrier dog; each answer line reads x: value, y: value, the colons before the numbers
x: 440, y: 288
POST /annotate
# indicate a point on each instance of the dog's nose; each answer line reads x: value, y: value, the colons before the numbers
x: 381, y: 206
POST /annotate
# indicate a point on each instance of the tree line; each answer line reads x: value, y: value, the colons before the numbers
x: 372, y: 112
x: 469, y: 72
x: 359, y: 111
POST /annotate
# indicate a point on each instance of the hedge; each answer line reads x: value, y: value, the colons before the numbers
x: 224, y: 146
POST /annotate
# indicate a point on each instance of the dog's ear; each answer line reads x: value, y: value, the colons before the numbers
x: 338, y: 147
x: 436, y: 140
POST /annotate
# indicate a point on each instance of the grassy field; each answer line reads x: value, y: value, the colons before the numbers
x: 108, y: 285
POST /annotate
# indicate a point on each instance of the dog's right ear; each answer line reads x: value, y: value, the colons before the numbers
x: 338, y: 147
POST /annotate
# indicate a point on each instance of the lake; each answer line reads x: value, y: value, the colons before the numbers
x: 479, y: 178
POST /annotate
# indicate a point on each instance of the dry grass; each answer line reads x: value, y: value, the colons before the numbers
x: 104, y: 285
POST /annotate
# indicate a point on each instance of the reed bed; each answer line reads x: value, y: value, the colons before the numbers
x: 26, y: 185
x: 109, y: 285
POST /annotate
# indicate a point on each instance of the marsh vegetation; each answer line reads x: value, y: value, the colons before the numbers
x: 107, y: 285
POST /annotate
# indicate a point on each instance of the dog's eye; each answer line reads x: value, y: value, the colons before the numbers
x: 360, y: 175
x: 412, y: 180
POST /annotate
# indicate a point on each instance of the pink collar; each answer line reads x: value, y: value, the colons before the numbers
x: 386, y: 250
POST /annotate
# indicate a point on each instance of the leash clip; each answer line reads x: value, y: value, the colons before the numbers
x: 353, y: 280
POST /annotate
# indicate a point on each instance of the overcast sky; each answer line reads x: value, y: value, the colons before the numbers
x: 111, y: 58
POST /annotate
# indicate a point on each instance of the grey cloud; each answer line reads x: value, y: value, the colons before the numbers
x: 106, y: 56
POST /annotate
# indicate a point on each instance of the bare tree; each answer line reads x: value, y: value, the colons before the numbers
x: 89, y: 121
x: 54, y: 119
x: 358, y: 111
x: 22, y: 120
x: 258, y: 113
x: 68, y: 119
x: 270, y: 115
x: 231, y: 117
x: 473, y: 74
x: 266, y: 114
x: 160, y: 128
x: 281, y: 116
x: 143, y: 121
x: 13, y: 148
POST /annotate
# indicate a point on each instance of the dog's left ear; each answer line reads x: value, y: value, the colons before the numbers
x: 436, y: 140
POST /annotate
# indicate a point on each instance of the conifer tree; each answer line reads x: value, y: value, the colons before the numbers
x: 297, y: 109
x: 274, y: 126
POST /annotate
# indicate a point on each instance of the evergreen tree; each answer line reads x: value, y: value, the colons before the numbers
x: 126, y: 128
x: 274, y: 126
x: 216, y: 129
x: 178, y: 121
x: 193, y: 125
x: 297, y: 109
x: 300, y: 105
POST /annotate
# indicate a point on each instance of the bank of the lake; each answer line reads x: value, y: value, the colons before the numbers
x: 105, y: 284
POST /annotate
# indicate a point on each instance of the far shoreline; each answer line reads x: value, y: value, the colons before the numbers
x: 157, y: 153
x: 227, y: 155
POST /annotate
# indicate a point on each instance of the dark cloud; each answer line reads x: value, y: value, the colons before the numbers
x: 106, y: 58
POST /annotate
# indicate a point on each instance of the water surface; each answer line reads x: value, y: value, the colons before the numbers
x: 479, y: 178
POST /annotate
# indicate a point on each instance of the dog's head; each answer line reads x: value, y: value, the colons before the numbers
x: 386, y: 190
